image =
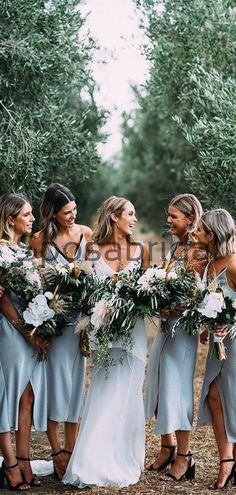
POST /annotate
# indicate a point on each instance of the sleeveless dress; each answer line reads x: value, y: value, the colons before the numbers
x: 110, y: 446
x: 20, y: 366
x: 223, y: 373
x: 65, y: 365
x: 170, y: 375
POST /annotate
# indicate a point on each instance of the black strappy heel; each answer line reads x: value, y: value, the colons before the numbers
x: 54, y: 466
x: 14, y: 488
x: 231, y: 476
x: 189, y: 473
x: 69, y: 452
x: 34, y: 480
x: 165, y: 464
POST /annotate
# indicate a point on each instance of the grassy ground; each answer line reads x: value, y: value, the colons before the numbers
x: 203, y: 447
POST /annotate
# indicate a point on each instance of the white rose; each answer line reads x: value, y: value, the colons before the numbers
x: 212, y: 304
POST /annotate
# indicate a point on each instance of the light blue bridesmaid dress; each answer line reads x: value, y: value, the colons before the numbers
x: 65, y: 364
x: 20, y: 366
x: 4, y: 423
x: 170, y: 375
x: 110, y: 446
x: 223, y: 373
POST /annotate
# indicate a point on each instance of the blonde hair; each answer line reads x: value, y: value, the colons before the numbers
x: 189, y: 205
x: 221, y: 224
x: 10, y: 206
x: 104, y: 226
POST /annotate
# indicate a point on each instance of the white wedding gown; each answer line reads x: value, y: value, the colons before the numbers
x: 110, y: 446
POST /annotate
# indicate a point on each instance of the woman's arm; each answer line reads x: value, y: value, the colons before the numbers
x: 231, y: 274
x: 87, y: 232
x: 8, y: 309
x: 145, y: 257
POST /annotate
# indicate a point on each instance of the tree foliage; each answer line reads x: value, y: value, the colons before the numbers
x: 50, y: 123
x: 175, y: 136
x: 213, y: 135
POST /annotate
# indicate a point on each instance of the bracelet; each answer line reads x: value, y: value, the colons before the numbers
x: 18, y: 321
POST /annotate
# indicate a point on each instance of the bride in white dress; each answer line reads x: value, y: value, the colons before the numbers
x: 110, y: 447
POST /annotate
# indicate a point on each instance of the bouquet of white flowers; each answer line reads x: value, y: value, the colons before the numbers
x: 111, y: 306
x: 213, y: 309
x: 43, y: 312
x: 216, y: 310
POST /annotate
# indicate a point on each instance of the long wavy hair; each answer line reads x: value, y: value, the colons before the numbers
x: 220, y: 223
x: 10, y: 206
x: 55, y: 197
x: 104, y: 226
x: 189, y: 205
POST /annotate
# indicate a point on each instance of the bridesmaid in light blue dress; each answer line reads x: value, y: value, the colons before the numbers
x: 61, y: 240
x: 110, y: 447
x: 217, y: 234
x: 10, y: 469
x: 24, y: 375
x: 14, y: 474
x: 172, y: 362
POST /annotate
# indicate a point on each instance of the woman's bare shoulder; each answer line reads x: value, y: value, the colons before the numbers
x: 36, y: 243
x: 145, y: 255
x: 87, y: 232
x: 231, y: 268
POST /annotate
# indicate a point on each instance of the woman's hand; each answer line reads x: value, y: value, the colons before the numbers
x: 40, y: 344
x: 204, y: 337
x: 1, y: 290
x: 170, y: 313
x: 221, y: 331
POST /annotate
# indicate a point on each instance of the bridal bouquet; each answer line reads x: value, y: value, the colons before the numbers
x: 111, y: 306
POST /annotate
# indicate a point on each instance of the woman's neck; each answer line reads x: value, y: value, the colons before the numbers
x: 65, y: 231
x: 118, y: 239
x: 16, y: 240
x: 183, y: 240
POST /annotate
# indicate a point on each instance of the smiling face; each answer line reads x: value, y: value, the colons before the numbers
x: 125, y: 223
x: 22, y: 223
x: 204, y: 238
x: 178, y: 222
x: 66, y: 216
